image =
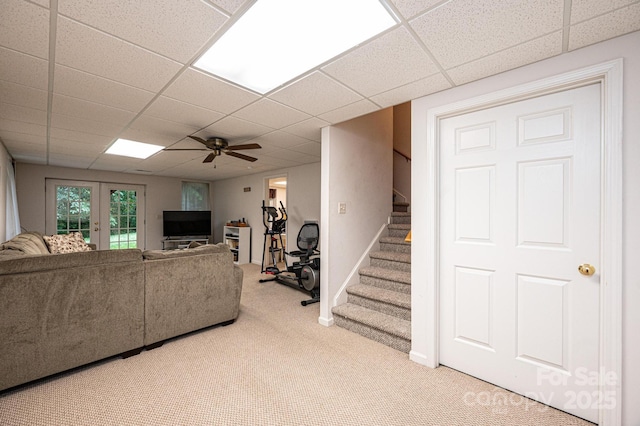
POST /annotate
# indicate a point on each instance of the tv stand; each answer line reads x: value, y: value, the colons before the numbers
x: 182, y: 242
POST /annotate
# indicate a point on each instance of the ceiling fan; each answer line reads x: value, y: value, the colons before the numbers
x: 219, y: 146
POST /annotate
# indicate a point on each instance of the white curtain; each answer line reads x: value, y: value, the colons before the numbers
x: 12, y: 217
x: 195, y: 196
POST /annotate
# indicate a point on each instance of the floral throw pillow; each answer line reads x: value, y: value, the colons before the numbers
x: 69, y: 243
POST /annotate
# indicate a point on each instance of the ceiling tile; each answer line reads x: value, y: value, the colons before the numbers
x: 74, y: 107
x: 272, y: 114
x: 410, y: 8
x: 426, y: 86
x: 24, y: 69
x: 231, y: 6
x: 25, y: 27
x: 43, y: 3
x: 276, y: 140
x: 115, y: 163
x: 167, y: 159
x: 604, y: 27
x: 350, y: 111
x: 17, y: 94
x: 12, y: 140
x: 315, y: 94
x: 197, y: 88
x: 310, y: 129
x: 234, y: 129
x: 174, y: 29
x: 87, y: 147
x: 81, y: 85
x: 69, y: 160
x: 523, y: 54
x: 13, y: 126
x: 71, y: 136
x: 182, y: 112
x: 470, y: 30
x: 149, y: 137
x: 582, y: 10
x: 169, y: 129
x: 311, y: 148
x: 24, y: 114
x: 59, y: 121
x: 95, y: 52
x: 390, y: 61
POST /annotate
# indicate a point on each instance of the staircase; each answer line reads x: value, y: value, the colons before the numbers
x: 379, y: 307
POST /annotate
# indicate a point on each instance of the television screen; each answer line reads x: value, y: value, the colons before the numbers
x: 186, y: 223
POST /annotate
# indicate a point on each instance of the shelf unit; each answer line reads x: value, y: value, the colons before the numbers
x: 238, y: 238
x: 175, y: 243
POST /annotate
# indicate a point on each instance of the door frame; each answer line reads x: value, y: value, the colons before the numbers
x: 425, y: 297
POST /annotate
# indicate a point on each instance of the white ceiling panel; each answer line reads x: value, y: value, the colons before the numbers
x: 423, y: 87
x: 271, y: 114
x: 197, y: 88
x: 25, y: 27
x: 279, y: 139
x: 79, y: 108
x: 410, y: 8
x: 59, y: 121
x: 63, y: 146
x: 234, y: 129
x: 69, y: 160
x: 20, y: 68
x: 190, y: 115
x: 229, y: 6
x: 581, y: 10
x: 166, y: 159
x: 82, y: 85
x: 115, y: 163
x: 95, y: 52
x: 604, y: 27
x: 350, y: 111
x: 148, y: 137
x: 100, y: 143
x: 170, y: 129
x: 311, y: 148
x: 13, y: 126
x: 522, y: 54
x: 462, y: 31
x: 390, y: 61
x: 310, y: 129
x: 17, y: 139
x: 17, y: 94
x: 315, y: 94
x: 176, y: 29
x: 24, y: 114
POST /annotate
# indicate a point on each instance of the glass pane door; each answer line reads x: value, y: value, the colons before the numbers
x: 73, y: 207
x: 124, y: 216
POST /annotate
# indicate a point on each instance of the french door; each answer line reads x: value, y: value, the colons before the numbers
x: 109, y: 215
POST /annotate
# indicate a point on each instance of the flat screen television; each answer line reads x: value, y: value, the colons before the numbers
x: 186, y: 223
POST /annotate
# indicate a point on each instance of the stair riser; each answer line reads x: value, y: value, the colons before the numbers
x: 380, y: 306
x: 398, y: 232
x: 401, y: 220
x: 389, y: 264
x: 396, y: 248
x: 386, y: 284
x: 394, y: 342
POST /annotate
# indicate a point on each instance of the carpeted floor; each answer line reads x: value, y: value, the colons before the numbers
x: 274, y: 366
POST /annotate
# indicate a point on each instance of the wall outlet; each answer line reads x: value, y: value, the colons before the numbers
x: 342, y: 208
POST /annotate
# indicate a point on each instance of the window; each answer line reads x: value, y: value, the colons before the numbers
x: 195, y: 196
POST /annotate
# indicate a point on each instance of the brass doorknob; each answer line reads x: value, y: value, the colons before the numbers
x: 586, y: 269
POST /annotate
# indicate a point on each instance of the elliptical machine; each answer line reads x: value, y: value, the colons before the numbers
x: 304, y: 274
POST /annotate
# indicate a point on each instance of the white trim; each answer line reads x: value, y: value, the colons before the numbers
x: 609, y: 74
x: 326, y: 317
x: 353, y: 277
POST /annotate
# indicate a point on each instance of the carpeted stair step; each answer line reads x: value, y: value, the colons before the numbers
x: 389, y: 279
x: 391, y: 260
x: 400, y: 206
x: 395, y: 244
x: 400, y: 217
x: 399, y: 229
x: 386, y: 329
x: 379, y: 299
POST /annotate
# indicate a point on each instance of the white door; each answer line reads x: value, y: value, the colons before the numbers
x: 519, y: 212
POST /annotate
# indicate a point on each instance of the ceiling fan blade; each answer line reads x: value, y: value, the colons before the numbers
x: 186, y: 149
x: 195, y: 138
x: 241, y: 156
x: 210, y: 158
x: 245, y: 146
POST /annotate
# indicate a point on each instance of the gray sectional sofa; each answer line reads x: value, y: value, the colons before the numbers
x: 61, y: 311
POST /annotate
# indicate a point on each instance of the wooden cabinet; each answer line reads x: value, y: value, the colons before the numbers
x: 238, y: 238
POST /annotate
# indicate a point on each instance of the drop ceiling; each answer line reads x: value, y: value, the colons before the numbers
x: 77, y: 75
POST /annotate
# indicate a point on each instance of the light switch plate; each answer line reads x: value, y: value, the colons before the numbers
x: 342, y: 208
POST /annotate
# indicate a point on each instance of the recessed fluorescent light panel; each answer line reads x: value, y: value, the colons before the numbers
x: 278, y: 40
x: 133, y: 149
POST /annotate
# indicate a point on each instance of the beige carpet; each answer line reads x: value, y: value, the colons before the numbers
x: 274, y: 366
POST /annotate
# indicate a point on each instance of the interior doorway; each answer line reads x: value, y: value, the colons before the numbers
x: 276, y: 196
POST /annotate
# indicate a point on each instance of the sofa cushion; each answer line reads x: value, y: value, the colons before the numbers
x: 69, y: 243
x: 204, y: 249
x: 27, y: 243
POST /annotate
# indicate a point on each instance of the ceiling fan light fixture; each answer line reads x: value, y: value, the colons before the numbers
x: 278, y: 40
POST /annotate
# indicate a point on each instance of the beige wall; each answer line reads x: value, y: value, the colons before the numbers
x: 232, y: 202
x: 162, y: 193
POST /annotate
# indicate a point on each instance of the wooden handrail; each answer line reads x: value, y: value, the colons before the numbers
x: 408, y: 158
